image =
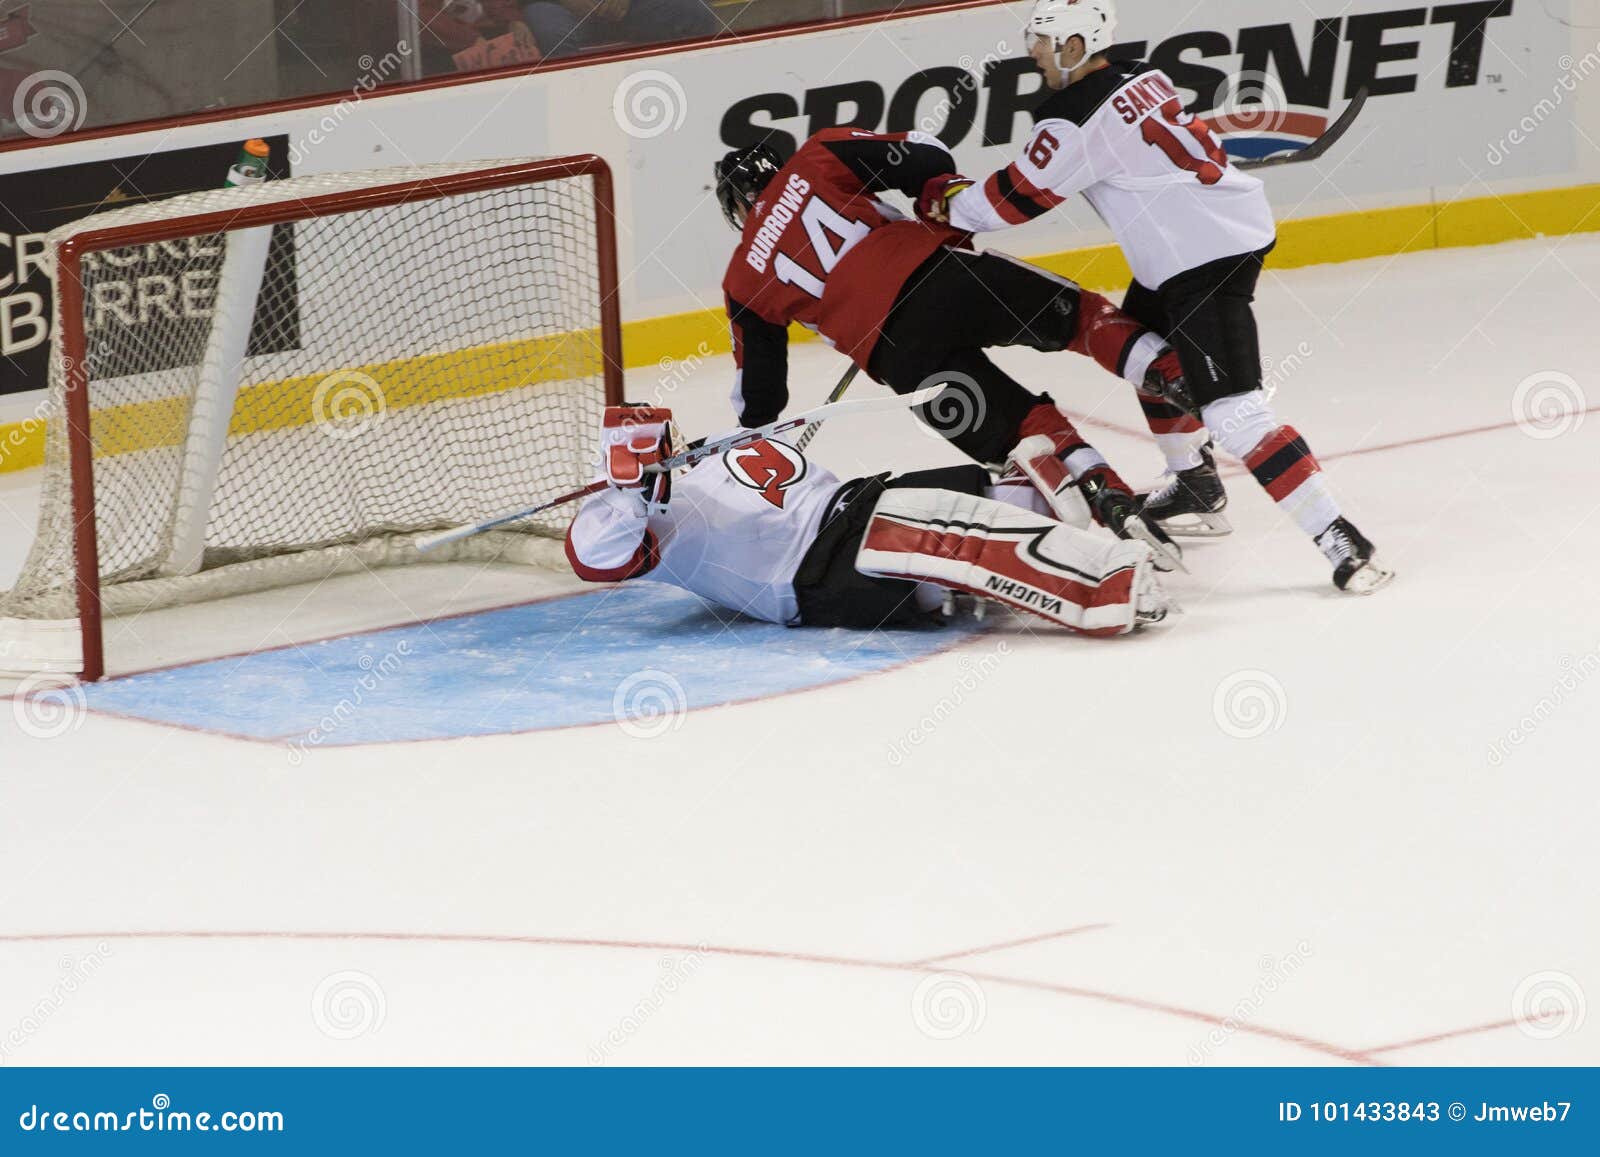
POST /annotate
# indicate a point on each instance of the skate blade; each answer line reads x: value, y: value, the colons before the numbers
x: 1369, y: 580
x: 1159, y: 605
x: 1169, y: 556
x: 1165, y: 613
x: 1203, y: 526
x: 1143, y: 619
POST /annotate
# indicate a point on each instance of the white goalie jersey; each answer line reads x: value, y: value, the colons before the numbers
x: 1154, y: 173
x: 735, y: 531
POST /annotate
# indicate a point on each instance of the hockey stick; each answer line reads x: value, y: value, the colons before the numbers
x: 734, y: 441
x: 1321, y: 145
x: 804, y: 440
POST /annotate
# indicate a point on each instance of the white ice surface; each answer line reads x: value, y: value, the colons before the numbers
x: 761, y: 884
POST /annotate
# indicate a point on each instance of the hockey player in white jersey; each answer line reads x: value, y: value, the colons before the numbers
x: 768, y: 533
x: 1196, y: 232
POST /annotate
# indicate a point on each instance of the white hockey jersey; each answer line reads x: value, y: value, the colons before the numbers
x: 1154, y: 173
x: 735, y: 531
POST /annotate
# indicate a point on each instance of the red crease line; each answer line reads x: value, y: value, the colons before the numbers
x: 1004, y: 944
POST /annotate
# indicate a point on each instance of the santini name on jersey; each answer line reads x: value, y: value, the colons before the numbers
x: 1142, y: 96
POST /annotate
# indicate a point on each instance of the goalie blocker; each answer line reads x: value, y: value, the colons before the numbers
x: 767, y: 533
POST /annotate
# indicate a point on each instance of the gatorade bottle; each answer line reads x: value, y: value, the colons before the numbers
x: 251, y: 167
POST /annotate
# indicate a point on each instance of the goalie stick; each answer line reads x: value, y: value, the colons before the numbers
x: 734, y: 441
x: 1321, y: 145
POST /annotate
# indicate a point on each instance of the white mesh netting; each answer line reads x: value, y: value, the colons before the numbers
x: 410, y: 367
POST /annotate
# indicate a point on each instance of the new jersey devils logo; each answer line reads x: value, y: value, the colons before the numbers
x: 770, y: 467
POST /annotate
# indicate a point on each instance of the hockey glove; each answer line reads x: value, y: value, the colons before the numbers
x: 934, y: 204
x: 633, y: 437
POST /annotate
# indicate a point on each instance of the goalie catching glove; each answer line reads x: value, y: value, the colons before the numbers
x: 633, y: 438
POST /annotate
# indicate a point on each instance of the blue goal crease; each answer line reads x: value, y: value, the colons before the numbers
x: 637, y: 656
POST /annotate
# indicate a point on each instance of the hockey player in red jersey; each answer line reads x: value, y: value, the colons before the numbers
x: 766, y: 533
x: 1196, y: 231
x: 900, y: 299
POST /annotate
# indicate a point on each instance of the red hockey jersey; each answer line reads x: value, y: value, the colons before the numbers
x: 820, y: 248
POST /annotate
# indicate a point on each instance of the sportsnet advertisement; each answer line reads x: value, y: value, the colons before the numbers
x: 1268, y: 78
x: 1467, y: 100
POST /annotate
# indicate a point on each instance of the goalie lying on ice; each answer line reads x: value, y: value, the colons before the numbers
x: 765, y: 532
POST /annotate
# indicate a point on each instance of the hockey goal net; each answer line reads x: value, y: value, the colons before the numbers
x: 274, y: 384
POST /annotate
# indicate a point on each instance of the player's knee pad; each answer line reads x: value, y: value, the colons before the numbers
x: 1240, y: 422
x: 1056, y: 326
x: 1079, y: 580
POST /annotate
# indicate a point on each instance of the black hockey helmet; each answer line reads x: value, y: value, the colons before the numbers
x: 741, y: 176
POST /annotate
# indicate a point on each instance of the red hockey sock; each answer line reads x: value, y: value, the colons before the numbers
x: 1178, y: 433
x: 1105, y: 333
x: 1291, y: 475
x: 1075, y: 454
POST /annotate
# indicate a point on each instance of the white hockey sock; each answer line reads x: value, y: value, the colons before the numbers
x: 1143, y: 354
x: 1245, y: 426
x: 1240, y: 422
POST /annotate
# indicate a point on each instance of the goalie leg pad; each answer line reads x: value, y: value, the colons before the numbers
x: 1079, y: 580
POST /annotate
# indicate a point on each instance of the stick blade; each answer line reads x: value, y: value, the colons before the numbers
x: 1319, y: 147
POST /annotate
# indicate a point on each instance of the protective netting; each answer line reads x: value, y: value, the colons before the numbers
x: 410, y: 367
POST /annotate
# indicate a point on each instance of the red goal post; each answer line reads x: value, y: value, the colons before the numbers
x: 475, y: 304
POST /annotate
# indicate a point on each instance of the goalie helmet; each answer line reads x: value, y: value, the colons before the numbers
x: 741, y: 176
x: 1058, y: 21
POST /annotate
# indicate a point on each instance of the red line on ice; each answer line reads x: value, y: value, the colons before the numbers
x: 984, y: 949
x: 1420, y: 1041
x: 1282, y: 1036
x: 1235, y: 469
